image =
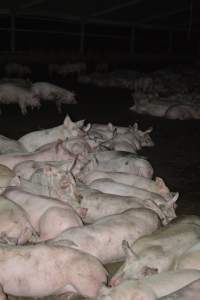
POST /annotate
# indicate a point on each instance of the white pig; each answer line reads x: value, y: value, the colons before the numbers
x: 10, y: 93
x: 48, y: 216
x: 150, y: 288
x: 33, y: 140
x: 104, y: 237
x: 40, y: 270
x: 50, y: 92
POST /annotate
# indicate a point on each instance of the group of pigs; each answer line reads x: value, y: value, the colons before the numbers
x: 16, y: 91
x: 77, y: 197
x: 162, y: 94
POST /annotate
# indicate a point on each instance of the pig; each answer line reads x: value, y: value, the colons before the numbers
x: 125, y: 190
x: 72, y: 68
x: 109, y: 186
x: 8, y: 145
x: 40, y: 270
x: 27, y: 168
x: 48, y: 216
x: 158, y: 252
x: 50, y: 92
x: 36, y: 139
x: 104, y: 237
x: 183, y: 112
x: 100, y: 204
x: 75, y: 145
x: 15, y: 227
x: 7, y: 177
x: 158, y: 186
x: 150, y: 288
x: 190, y: 259
x: 17, y: 70
x: 142, y: 105
x: 10, y: 93
x: 189, y: 292
x: 128, y: 139
x: 57, y: 152
x: 143, y: 84
x: 118, y: 161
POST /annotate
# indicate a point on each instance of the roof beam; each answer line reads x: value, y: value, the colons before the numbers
x: 31, y: 4
x: 115, y: 7
x: 161, y: 15
x: 4, y: 11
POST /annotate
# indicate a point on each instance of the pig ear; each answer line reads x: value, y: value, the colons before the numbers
x: 148, y: 130
x: 80, y: 123
x: 128, y: 250
x: 148, y: 271
x: 174, y: 199
x: 87, y: 127
x: 135, y: 127
x: 59, y: 146
x: 110, y: 127
x: 67, y: 122
x: 160, y: 183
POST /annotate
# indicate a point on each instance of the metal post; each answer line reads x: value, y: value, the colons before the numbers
x: 132, y: 41
x: 82, y: 37
x: 170, y: 42
x: 12, y: 32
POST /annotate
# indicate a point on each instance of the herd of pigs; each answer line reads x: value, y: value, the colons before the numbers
x: 77, y: 197
x: 164, y: 93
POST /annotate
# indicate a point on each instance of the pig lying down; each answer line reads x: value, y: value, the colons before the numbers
x: 165, y: 249
x: 10, y: 146
x: 159, y: 108
x: 50, y: 92
x: 33, y: 140
x: 40, y: 270
x: 108, y: 233
x: 15, y: 227
x: 150, y: 288
x: 158, y: 186
x: 48, y: 216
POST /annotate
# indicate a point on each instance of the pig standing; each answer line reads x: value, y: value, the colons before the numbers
x: 10, y: 93
x: 50, y: 92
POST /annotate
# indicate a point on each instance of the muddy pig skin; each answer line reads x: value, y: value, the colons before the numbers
x: 39, y: 270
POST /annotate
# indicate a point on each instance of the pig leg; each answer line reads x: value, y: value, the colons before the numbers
x: 54, y: 221
x: 3, y: 296
x: 23, y: 108
x: 27, y: 234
